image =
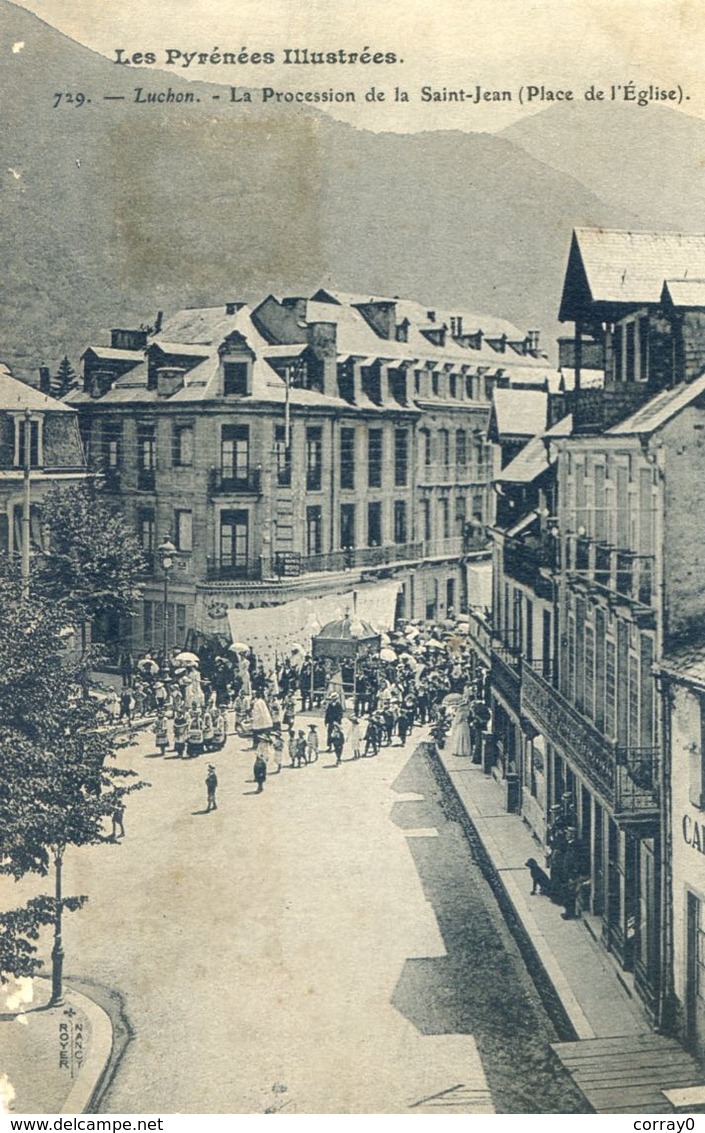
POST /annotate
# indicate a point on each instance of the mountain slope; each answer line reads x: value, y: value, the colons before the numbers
x: 113, y: 210
x: 646, y: 159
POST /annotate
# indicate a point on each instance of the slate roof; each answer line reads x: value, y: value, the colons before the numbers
x: 531, y: 462
x: 16, y: 395
x: 656, y: 412
x: 318, y: 309
x: 197, y: 332
x: 113, y: 354
x: 535, y: 458
x: 684, y: 292
x: 632, y: 266
x: 186, y: 349
x: 520, y: 412
x: 629, y: 268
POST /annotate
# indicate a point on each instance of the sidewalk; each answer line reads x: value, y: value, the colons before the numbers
x: 51, y: 1058
x: 596, y: 1000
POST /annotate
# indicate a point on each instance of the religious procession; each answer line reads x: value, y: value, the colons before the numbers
x: 365, y: 690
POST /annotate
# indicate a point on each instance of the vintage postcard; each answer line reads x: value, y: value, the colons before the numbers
x: 352, y: 612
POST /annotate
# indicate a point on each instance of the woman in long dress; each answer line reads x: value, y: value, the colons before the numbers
x: 460, y: 741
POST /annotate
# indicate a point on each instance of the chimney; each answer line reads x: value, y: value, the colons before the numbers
x: 128, y: 339
x: 44, y: 379
x: 158, y: 323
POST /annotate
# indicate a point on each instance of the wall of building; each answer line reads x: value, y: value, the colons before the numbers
x: 684, y: 524
x: 687, y: 834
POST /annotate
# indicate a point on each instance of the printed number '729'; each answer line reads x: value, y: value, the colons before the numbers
x: 74, y: 98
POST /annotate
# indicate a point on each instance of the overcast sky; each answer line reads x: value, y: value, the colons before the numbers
x: 499, y: 44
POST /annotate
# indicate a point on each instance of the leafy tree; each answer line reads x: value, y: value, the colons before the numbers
x: 93, y: 559
x: 57, y: 786
x: 19, y: 929
x: 65, y: 379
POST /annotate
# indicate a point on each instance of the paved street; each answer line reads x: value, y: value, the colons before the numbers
x: 327, y: 946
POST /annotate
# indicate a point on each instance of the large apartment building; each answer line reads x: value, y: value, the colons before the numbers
x: 598, y: 593
x: 302, y: 447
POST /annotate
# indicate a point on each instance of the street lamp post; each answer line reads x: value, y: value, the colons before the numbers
x: 166, y: 552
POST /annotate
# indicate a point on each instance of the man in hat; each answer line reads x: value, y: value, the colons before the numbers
x: 211, y: 787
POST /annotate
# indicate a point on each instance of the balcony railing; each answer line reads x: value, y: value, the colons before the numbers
x: 231, y: 481
x: 616, y: 572
x: 360, y: 557
x: 453, y: 545
x: 222, y: 571
x: 627, y: 778
x: 505, y: 672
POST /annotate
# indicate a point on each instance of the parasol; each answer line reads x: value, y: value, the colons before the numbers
x: 388, y: 654
x: 147, y: 665
x: 186, y: 658
x: 239, y: 647
x: 452, y: 699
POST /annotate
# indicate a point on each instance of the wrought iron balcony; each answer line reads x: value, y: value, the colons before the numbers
x: 619, y: 574
x: 626, y: 778
x: 235, y: 481
x: 435, y: 548
x: 350, y: 557
x: 505, y: 672
x: 220, y: 570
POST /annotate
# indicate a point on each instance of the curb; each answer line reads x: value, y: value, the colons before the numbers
x: 567, y: 1017
x: 101, y: 1044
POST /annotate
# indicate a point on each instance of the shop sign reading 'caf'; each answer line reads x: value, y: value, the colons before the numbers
x: 693, y: 833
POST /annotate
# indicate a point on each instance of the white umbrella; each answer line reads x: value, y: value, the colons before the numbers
x: 452, y: 699
x: 186, y: 658
x: 147, y: 665
x: 388, y: 655
x: 239, y: 647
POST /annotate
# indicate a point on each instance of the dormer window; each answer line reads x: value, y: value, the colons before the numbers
x: 235, y: 378
x: 402, y: 331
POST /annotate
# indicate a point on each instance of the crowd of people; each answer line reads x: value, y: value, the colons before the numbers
x: 424, y: 675
x: 193, y: 701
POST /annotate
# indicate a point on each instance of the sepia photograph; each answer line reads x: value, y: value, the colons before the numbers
x: 352, y: 420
